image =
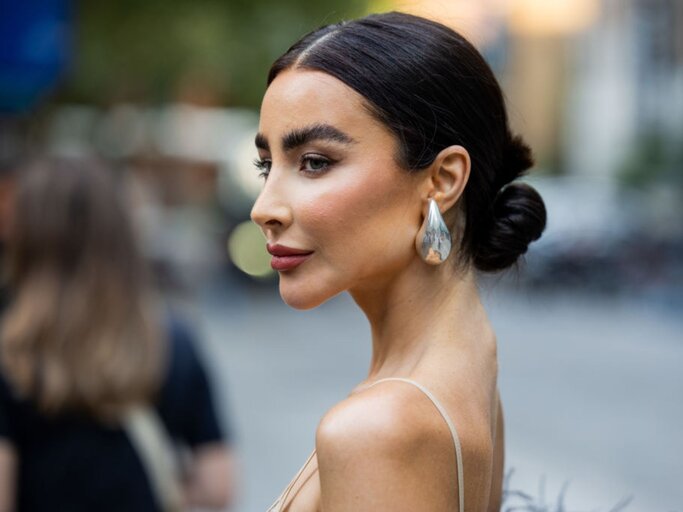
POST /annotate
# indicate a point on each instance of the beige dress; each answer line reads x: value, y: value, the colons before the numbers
x: 280, y: 503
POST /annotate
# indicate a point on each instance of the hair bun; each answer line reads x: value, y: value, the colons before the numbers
x: 517, y: 158
x: 519, y: 218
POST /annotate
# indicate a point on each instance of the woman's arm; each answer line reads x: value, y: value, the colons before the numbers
x: 211, y: 472
x: 8, y: 465
x: 211, y: 480
x: 386, y: 451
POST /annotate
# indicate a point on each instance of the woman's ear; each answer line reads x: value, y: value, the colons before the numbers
x: 448, y: 176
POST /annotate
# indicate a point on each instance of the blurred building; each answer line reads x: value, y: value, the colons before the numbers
x: 586, y: 80
x: 626, y: 86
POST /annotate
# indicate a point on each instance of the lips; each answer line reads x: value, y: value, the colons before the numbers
x: 286, y: 258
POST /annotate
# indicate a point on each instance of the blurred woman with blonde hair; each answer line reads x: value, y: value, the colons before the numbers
x: 97, y: 382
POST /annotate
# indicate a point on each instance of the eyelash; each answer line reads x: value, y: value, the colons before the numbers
x: 263, y: 165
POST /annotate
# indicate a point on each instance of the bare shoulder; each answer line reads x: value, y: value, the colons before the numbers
x: 385, y: 448
x: 383, y: 417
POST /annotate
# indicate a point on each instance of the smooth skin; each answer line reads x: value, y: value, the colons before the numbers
x: 341, y: 194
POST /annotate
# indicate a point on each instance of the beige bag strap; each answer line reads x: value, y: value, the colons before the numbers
x: 153, y: 445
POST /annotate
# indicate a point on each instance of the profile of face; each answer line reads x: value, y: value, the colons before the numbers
x: 333, y: 191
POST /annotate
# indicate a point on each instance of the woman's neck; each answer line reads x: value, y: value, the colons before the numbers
x: 416, y: 312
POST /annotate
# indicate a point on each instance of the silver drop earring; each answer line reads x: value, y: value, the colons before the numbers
x: 433, y: 242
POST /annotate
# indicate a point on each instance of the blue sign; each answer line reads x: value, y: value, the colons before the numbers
x: 35, y: 45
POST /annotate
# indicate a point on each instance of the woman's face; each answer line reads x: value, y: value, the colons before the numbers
x: 333, y: 192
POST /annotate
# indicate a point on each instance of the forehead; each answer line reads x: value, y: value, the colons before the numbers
x: 302, y: 97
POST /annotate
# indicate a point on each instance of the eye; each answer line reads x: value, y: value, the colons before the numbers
x: 315, y: 164
x: 263, y: 165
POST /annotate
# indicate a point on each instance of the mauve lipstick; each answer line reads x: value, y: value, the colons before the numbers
x: 286, y: 258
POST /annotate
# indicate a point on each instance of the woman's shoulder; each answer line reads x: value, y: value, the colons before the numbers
x: 385, y: 438
x: 372, y: 418
x: 403, y: 413
x: 390, y: 419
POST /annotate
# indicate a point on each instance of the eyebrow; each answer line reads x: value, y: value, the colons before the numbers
x: 261, y: 142
x: 301, y: 136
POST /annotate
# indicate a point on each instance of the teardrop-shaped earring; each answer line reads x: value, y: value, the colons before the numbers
x: 433, y: 242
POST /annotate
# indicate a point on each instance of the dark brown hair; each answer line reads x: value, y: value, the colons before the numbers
x: 433, y: 89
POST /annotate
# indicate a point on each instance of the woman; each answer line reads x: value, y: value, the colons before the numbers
x: 390, y: 171
x: 89, y: 364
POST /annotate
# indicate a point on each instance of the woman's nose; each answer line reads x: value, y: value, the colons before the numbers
x: 271, y: 211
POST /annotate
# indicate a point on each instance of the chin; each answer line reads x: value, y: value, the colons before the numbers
x: 304, y: 296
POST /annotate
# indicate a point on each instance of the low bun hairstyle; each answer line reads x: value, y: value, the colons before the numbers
x: 433, y: 89
x: 518, y: 217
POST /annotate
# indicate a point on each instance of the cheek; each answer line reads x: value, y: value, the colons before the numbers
x: 362, y: 218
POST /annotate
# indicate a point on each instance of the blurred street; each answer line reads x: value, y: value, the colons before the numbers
x: 590, y: 334
x: 591, y: 389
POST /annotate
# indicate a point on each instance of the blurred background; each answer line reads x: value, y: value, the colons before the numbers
x: 590, y: 327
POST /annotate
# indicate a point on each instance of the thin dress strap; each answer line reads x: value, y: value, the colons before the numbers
x: 451, y: 426
x: 280, y: 502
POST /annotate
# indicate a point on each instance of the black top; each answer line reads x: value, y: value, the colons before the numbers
x: 74, y: 464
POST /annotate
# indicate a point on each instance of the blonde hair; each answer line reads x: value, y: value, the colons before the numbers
x: 82, y: 332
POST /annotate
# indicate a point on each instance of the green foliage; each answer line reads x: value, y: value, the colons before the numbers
x: 654, y: 158
x: 127, y: 49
